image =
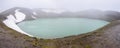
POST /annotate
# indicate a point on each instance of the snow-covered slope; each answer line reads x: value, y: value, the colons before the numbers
x: 12, y: 20
x: 19, y: 16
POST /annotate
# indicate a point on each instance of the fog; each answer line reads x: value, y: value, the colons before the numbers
x: 72, y: 5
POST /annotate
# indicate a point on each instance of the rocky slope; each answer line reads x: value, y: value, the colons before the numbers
x: 10, y: 38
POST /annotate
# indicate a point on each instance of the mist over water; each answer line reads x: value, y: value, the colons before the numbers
x: 60, y: 27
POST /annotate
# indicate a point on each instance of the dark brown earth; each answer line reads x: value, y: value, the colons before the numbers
x: 106, y: 37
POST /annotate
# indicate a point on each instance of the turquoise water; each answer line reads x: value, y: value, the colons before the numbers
x: 60, y: 27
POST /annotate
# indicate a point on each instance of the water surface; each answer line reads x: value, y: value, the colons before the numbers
x: 60, y: 27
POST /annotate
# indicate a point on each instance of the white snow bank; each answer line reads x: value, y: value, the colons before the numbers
x: 11, y: 21
x: 19, y: 16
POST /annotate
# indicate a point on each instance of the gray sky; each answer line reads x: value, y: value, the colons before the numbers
x: 72, y: 5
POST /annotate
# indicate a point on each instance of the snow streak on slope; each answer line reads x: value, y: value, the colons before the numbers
x: 34, y: 13
x: 53, y: 11
x: 11, y: 21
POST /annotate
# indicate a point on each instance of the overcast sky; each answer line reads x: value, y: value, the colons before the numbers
x: 72, y: 5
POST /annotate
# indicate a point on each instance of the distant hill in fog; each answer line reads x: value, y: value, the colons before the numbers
x: 32, y: 14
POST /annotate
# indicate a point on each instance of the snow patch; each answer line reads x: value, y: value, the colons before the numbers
x: 53, y: 11
x: 11, y: 23
x: 19, y: 16
x: 34, y: 17
x: 34, y: 13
